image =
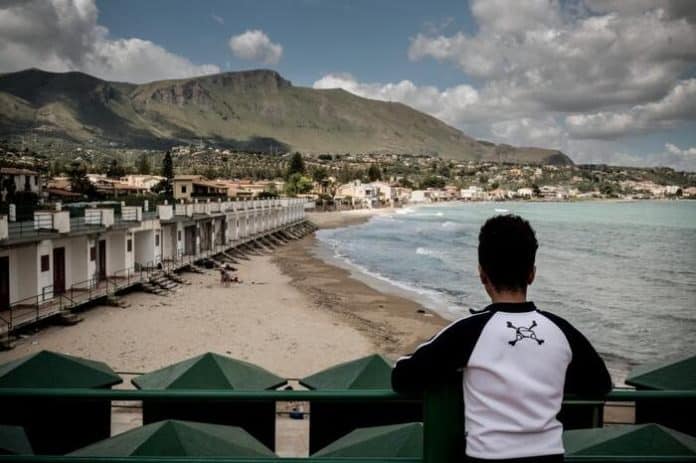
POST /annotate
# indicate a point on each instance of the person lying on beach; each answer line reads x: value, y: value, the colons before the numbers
x: 516, y: 361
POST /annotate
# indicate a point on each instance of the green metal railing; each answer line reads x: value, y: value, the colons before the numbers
x: 69, y: 459
x: 442, y: 419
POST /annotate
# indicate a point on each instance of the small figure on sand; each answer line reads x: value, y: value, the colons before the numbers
x: 226, y: 277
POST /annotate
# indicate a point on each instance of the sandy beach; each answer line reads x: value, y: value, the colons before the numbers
x: 289, y: 307
x: 264, y: 320
x: 292, y: 314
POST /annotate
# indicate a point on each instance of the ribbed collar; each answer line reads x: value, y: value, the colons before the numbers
x: 515, y: 307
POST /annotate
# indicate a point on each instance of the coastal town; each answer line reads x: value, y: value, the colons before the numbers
x: 328, y: 181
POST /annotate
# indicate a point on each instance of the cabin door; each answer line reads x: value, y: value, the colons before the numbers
x: 174, y: 237
x: 190, y: 243
x: 4, y: 283
x: 101, y: 260
x: 58, y: 270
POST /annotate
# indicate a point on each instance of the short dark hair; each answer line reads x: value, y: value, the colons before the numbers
x: 506, y: 252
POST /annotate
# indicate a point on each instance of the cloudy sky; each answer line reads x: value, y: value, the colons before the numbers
x: 603, y: 80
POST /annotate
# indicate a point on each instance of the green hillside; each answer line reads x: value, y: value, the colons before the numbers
x: 251, y: 110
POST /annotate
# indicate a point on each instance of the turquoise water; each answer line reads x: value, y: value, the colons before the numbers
x: 624, y: 273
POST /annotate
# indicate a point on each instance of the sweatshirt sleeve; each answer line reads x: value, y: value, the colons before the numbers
x: 587, y: 375
x: 446, y: 352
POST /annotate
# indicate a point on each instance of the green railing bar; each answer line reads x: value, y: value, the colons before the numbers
x: 443, y: 422
x: 205, y: 394
x: 375, y: 395
x: 140, y: 459
x: 442, y: 419
x: 624, y: 395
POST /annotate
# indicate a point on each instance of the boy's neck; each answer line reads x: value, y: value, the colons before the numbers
x: 513, y: 297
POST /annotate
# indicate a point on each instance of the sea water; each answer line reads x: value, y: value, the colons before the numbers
x: 624, y: 273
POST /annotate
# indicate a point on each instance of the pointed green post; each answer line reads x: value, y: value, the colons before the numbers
x: 443, y: 421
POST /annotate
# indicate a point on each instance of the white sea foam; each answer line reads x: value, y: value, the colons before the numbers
x: 427, y: 252
x: 405, y: 210
x: 432, y: 299
x: 441, y: 255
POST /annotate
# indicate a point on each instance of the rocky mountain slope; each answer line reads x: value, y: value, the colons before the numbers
x: 253, y: 110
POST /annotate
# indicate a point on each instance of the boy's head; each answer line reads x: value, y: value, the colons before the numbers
x: 506, y: 252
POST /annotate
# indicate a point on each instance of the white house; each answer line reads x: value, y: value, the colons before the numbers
x: 24, y: 180
x: 142, y: 181
x: 361, y: 194
x: 473, y: 193
x: 418, y: 196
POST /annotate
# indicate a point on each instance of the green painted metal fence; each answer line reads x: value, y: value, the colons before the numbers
x: 67, y: 459
x: 443, y: 432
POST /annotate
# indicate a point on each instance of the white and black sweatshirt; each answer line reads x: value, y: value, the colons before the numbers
x: 516, y: 362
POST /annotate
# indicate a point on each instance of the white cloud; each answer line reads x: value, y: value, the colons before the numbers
x: 496, y: 15
x: 64, y: 35
x: 450, y: 105
x: 255, y: 45
x: 672, y: 8
x: 137, y: 60
x: 678, y: 105
x: 609, y: 152
x: 672, y: 156
x: 467, y: 108
x: 546, y: 132
x: 486, y: 114
x: 688, y: 152
x: 217, y: 19
x: 536, y: 54
x: 576, y: 75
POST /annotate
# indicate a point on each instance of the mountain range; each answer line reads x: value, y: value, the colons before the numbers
x: 255, y: 110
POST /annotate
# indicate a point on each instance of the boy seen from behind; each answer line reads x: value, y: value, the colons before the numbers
x: 516, y: 361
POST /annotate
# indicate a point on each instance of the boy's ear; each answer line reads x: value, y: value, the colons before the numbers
x: 532, y: 274
x: 482, y: 276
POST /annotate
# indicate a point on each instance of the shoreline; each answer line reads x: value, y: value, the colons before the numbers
x: 323, y: 257
x: 403, y: 313
x: 392, y: 319
x: 289, y: 306
x: 395, y: 325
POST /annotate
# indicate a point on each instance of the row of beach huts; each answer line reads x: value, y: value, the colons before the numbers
x: 57, y: 262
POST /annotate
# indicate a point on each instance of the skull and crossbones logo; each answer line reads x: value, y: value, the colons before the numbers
x: 523, y: 332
